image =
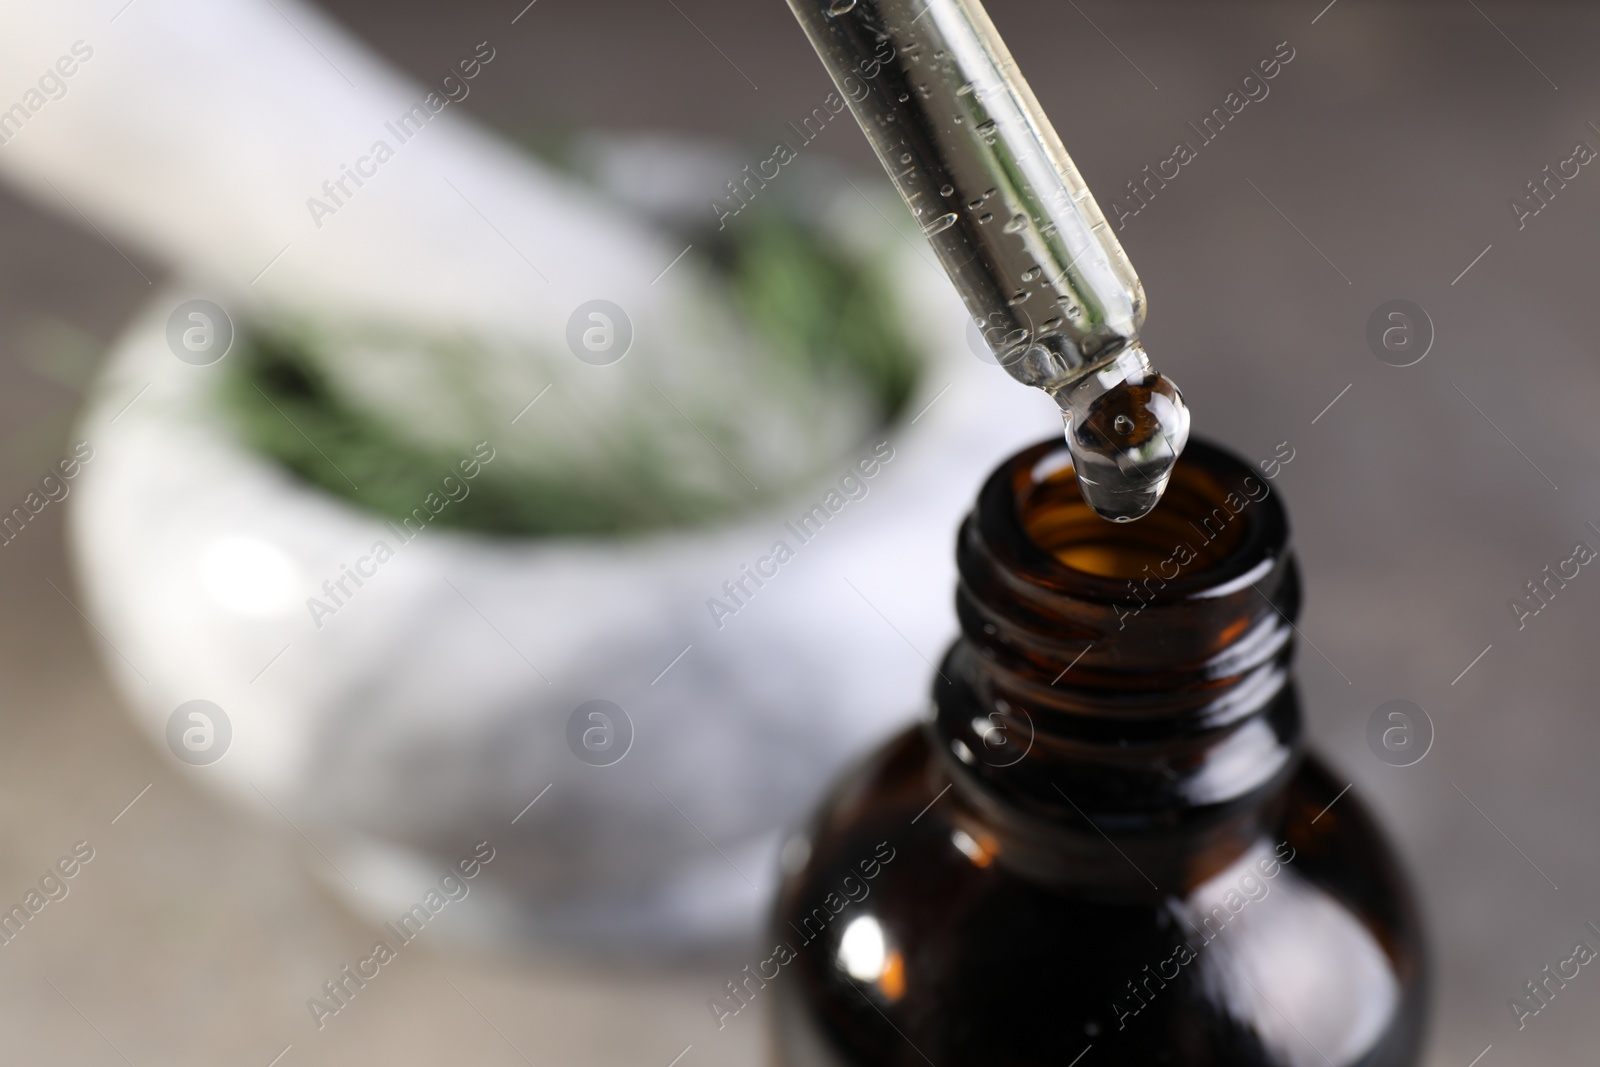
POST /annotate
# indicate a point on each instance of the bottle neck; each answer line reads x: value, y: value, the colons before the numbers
x: 1121, y: 685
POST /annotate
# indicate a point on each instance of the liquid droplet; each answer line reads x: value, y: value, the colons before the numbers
x: 904, y: 97
x: 840, y: 7
x: 940, y: 224
x: 1017, y: 224
x: 947, y: 190
x: 1126, y: 426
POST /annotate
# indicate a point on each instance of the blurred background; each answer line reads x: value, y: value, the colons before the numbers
x: 222, y: 895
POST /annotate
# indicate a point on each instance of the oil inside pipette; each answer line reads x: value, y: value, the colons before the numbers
x: 1014, y: 226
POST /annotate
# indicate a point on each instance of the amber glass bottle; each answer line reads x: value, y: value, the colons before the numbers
x: 1106, y: 845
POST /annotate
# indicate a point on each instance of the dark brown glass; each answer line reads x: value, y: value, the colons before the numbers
x: 1107, y: 840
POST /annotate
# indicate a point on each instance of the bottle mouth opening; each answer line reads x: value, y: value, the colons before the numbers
x: 1217, y: 522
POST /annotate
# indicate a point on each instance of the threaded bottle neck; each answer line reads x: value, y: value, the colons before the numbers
x: 1135, y: 676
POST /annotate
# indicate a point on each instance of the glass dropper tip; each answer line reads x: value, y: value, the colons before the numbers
x: 1126, y: 425
x: 1012, y: 221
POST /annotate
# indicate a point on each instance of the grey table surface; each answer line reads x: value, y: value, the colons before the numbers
x: 1380, y: 167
